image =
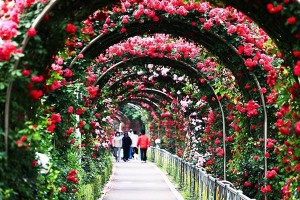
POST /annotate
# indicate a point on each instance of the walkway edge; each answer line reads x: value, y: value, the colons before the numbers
x: 170, y: 185
x: 107, y: 186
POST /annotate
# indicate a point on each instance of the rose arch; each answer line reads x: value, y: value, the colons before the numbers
x: 68, y: 69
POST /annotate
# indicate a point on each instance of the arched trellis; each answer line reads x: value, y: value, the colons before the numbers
x: 122, y: 117
x: 205, y: 42
x: 190, y: 72
x: 182, y: 66
x: 107, y: 38
x: 142, y: 99
x: 222, y: 115
x: 76, y: 11
x: 240, y: 58
x: 210, y: 40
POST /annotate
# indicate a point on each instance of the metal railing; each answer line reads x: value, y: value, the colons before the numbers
x: 194, y: 180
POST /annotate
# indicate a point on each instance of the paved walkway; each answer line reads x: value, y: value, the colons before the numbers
x: 134, y: 180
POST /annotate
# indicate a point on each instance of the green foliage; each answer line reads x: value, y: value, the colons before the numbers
x: 136, y: 113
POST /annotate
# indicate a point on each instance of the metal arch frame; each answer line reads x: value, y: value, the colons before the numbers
x: 177, y: 64
x: 242, y: 7
x: 205, y: 38
x: 155, y: 99
x: 122, y: 115
x: 223, y: 117
x: 249, y: 8
x: 36, y: 22
x: 117, y: 83
x: 145, y: 100
x: 209, y: 85
x: 205, y: 43
x: 212, y: 103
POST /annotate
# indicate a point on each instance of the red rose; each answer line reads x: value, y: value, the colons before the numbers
x: 72, y: 172
x: 297, y: 128
x: 284, y: 130
x: 25, y: 72
x: 267, y: 155
x: 31, y: 32
x: 36, y: 94
x: 296, y: 54
x: 263, y: 90
x: 92, y: 91
x: 291, y: 20
x: 70, y: 109
x: 247, y: 184
x: 34, y: 163
x: 266, y: 189
x: 55, y: 118
x: 37, y: 79
x: 70, y: 131
x: 51, y: 128
x: 70, y: 28
x: 80, y: 56
x: 255, y: 158
x: 123, y: 30
x: 23, y: 138
x: 63, y: 189
x: 297, y: 70
x: 271, y: 174
x: 68, y: 73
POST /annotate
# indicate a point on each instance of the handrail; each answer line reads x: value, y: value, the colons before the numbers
x: 193, y: 179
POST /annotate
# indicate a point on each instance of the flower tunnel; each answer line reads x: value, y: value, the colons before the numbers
x: 218, y: 78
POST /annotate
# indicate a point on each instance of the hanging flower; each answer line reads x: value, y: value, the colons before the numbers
x: 7, y: 49
x: 31, y: 32
x: 291, y: 20
x: 297, y: 128
x: 71, y: 28
x: 63, y: 189
x: 247, y: 184
x: 37, y: 79
x: 93, y: 91
x: 297, y: 69
x: 265, y: 189
x: 271, y: 174
x: 25, y: 72
x: 36, y: 94
x: 8, y: 29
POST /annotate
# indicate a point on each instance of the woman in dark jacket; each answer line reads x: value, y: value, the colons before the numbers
x: 126, y: 143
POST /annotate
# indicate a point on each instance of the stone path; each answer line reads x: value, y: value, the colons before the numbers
x: 134, y: 180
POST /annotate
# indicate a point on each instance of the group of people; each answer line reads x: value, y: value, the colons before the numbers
x: 129, y: 141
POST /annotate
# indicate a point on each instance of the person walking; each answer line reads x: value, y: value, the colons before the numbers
x: 130, y: 133
x: 134, y: 137
x: 143, y: 143
x: 117, y: 145
x: 126, y: 143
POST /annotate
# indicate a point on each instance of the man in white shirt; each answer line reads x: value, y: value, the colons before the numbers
x: 134, y: 138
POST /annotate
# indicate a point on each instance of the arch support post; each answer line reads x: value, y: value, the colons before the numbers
x: 10, y: 86
x: 224, y: 133
x: 265, y: 125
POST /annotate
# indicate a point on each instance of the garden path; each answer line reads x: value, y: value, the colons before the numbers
x: 134, y: 180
